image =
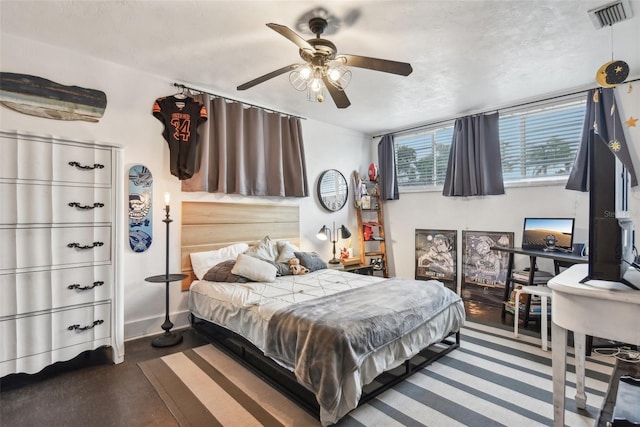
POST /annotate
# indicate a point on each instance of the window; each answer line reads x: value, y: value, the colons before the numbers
x: 422, y: 157
x: 537, y: 141
x: 541, y: 140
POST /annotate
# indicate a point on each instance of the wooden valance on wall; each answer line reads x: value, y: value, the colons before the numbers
x: 248, y: 151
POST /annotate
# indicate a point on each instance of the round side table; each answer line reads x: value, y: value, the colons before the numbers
x: 168, y: 338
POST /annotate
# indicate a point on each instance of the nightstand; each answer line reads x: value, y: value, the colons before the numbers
x: 366, y: 270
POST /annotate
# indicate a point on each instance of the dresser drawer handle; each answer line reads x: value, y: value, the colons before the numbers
x: 84, y: 288
x: 77, y: 245
x: 79, y: 206
x: 84, y: 328
x: 79, y: 166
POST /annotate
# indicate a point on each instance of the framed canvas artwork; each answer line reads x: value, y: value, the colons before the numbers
x: 484, y: 270
x: 436, y: 256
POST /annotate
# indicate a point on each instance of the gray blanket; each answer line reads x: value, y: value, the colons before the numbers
x: 324, y: 339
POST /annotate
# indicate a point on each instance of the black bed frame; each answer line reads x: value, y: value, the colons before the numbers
x: 284, y: 381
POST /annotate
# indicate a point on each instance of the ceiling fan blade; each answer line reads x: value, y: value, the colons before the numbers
x: 384, y: 65
x: 339, y: 97
x: 291, y: 35
x: 266, y: 77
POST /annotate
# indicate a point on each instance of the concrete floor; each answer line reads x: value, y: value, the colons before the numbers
x: 91, y: 391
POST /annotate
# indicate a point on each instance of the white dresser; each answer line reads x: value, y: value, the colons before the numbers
x: 61, y: 243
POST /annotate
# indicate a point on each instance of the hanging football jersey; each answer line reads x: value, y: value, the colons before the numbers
x: 181, y: 118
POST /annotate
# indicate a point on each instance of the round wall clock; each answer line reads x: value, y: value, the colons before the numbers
x: 332, y: 190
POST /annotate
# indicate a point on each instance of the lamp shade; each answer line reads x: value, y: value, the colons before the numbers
x: 324, y: 232
x: 344, y: 232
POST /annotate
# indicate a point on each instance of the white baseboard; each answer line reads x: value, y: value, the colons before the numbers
x: 152, y: 326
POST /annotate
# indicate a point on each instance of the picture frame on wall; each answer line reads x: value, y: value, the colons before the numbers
x: 484, y: 270
x: 437, y: 256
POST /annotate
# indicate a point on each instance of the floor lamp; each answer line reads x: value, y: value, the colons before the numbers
x: 168, y: 338
x: 326, y: 233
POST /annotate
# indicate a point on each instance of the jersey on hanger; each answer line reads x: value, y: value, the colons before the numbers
x: 181, y: 118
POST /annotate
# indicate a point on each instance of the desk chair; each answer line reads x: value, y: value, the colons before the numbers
x: 545, y: 295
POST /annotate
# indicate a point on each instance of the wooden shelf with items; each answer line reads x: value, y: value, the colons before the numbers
x: 370, y: 215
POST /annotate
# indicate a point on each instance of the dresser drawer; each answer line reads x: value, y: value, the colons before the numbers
x: 26, y: 158
x: 55, y: 246
x: 42, y: 290
x: 53, y: 204
x: 29, y: 335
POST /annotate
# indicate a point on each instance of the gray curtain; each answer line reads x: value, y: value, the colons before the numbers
x: 602, y: 117
x: 475, y: 167
x: 249, y: 151
x: 387, y: 169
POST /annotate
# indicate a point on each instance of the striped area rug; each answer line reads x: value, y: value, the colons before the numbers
x: 491, y: 380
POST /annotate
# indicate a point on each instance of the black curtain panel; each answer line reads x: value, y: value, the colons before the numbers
x: 474, y: 167
x: 387, y: 169
x: 601, y: 117
x: 249, y: 151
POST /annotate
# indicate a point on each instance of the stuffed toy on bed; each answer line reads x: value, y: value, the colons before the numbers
x: 296, y: 268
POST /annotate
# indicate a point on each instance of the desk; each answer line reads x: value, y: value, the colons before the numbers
x: 603, y: 309
x: 559, y: 258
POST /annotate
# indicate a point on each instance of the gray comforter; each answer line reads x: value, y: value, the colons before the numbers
x: 325, y: 339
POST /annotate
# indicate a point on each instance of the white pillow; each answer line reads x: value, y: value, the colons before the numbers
x: 285, y: 251
x: 265, y: 249
x: 203, y: 261
x: 254, y: 269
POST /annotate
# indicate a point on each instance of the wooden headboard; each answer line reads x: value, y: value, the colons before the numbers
x: 212, y: 225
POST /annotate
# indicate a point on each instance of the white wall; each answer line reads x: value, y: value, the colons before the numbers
x: 128, y: 122
x: 431, y: 210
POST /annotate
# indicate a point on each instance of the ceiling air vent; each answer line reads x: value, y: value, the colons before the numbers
x: 609, y: 14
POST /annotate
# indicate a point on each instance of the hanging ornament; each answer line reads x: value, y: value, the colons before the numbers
x: 615, y: 145
x: 631, y: 122
x: 612, y: 73
x: 373, y: 172
x: 630, y: 88
x: 596, y: 96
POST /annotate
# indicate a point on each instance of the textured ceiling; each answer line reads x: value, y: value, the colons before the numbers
x: 467, y: 56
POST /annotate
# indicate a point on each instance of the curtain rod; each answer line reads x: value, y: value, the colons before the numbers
x: 181, y: 86
x: 497, y: 109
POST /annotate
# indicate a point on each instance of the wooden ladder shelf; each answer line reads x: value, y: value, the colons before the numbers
x: 371, y: 217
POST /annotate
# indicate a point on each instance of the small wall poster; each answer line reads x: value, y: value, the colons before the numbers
x: 484, y: 270
x: 436, y: 256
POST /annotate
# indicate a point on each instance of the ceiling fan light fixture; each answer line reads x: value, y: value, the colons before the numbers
x: 297, y: 81
x: 316, y: 84
x: 339, y: 76
x: 316, y: 96
x: 305, y: 71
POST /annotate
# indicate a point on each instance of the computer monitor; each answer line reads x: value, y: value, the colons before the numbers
x: 549, y: 234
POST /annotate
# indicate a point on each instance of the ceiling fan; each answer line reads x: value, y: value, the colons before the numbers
x: 323, y: 67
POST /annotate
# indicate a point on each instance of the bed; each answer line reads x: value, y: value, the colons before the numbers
x: 317, y: 336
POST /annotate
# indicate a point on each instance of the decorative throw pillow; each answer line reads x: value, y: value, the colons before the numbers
x: 254, y: 269
x: 201, y: 262
x: 265, y: 250
x: 222, y: 273
x: 311, y: 260
x: 286, y: 251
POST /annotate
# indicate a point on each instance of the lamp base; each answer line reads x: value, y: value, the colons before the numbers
x: 334, y: 261
x: 167, y: 339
